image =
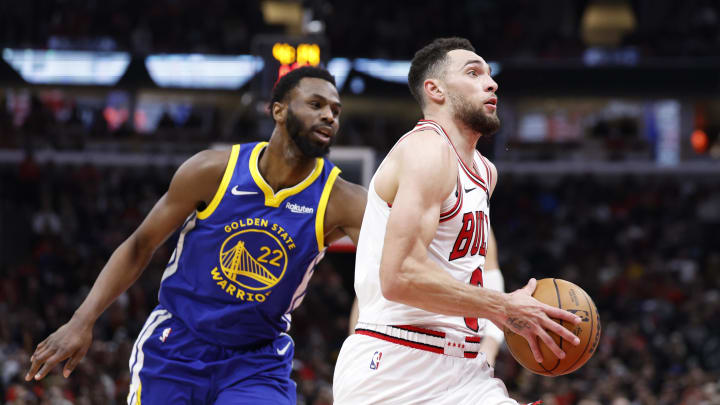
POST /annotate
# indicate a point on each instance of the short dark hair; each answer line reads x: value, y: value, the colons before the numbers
x: 291, y: 80
x: 429, y: 60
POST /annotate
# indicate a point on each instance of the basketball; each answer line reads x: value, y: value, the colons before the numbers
x: 568, y: 296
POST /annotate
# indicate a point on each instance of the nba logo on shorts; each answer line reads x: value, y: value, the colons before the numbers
x: 165, y: 334
x: 375, y: 362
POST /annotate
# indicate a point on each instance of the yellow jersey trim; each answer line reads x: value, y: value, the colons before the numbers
x: 272, y: 199
x: 229, y: 170
x: 322, y: 206
x: 139, y: 391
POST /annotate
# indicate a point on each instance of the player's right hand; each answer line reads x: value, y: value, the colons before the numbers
x: 532, y: 319
x: 71, y: 341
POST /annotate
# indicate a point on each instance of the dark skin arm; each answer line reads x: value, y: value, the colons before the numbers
x: 194, y: 183
x: 344, y: 216
x: 345, y: 211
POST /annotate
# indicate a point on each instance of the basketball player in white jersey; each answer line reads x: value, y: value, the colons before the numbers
x: 492, y: 337
x: 422, y: 248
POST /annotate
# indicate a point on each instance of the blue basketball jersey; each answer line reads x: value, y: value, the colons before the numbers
x: 243, y: 263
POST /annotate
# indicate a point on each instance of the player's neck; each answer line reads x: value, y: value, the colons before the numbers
x: 283, y: 165
x: 463, y: 138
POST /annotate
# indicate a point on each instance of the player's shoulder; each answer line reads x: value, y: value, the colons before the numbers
x: 347, y: 188
x: 209, y: 160
x: 199, y: 177
x: 490, y: 164
x: 425, y: 147
x: 346, y: 194
x: 427, y: 135
x: 205, y: 166
x: 346, y: 200
x: 487, y: 160
x: 424, y: 159
x: 493, y: 171
x: 210, y: 157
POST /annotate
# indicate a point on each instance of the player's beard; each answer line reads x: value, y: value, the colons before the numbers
x: 474, y: 118
x: 301, y: 136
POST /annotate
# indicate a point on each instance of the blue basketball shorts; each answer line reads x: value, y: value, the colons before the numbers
x: 170, y: 365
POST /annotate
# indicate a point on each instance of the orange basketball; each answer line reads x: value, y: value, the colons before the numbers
x: 565, y: 295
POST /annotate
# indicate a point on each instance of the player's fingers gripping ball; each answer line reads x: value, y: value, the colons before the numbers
x: 568, y: 296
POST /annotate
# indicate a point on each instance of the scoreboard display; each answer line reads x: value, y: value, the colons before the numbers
x: 281, y: 54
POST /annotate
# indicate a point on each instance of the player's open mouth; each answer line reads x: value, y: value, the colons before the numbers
x: 324, y: 134
x: 491, y: 104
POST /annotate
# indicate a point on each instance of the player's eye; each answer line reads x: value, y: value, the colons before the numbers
x: 473, y: 73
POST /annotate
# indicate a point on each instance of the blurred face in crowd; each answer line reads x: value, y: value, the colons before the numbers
x: 471, y: 91
x: 313, y: 116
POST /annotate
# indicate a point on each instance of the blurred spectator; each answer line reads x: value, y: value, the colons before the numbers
x: 649, y: 262
x: 644, y: 249
x: 517, y: 29
x: 46, y: 220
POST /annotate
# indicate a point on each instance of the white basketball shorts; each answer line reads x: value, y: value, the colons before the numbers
x: 371, y: 370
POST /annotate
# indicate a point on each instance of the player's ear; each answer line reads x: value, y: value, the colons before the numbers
x: 434, y: 90
x: 278, y: 111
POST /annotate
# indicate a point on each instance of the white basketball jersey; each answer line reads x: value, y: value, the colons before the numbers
x: 459, y: 246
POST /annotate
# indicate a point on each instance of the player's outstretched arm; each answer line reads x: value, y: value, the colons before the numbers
x: 194, y: 182
x: 424, y: 172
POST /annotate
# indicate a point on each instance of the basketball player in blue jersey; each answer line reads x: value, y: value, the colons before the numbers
x: 254, y: 221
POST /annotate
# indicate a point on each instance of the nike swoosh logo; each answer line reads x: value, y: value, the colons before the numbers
x: 235, y: 191
x: 282, y: 351
x: 467, y: 190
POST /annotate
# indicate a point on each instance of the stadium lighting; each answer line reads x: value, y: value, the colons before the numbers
x: 67, y: 67
x: 203, y: 71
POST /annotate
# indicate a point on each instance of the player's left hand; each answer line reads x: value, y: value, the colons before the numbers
x: 533, y: 319
x: 71, y: 341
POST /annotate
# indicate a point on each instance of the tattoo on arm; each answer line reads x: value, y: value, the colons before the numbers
x: 518, y: 324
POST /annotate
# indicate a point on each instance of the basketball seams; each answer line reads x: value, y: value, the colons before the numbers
x: 551, y: 369
x: 591, y: 307
x: 516, y: 355
x: 547, y: 370
x: 559, y: 303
